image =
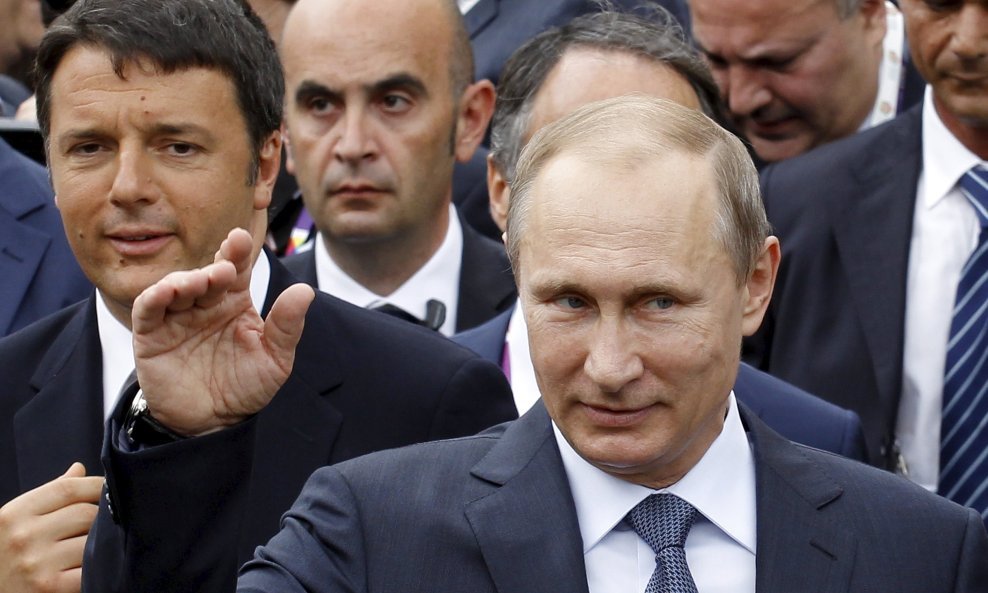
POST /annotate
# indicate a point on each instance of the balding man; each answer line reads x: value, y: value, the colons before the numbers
x: 796, y: 74
x: 638, y: 472
x: 593, y: 57
x: 380, y: 105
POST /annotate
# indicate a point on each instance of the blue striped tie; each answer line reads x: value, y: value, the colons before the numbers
x: 964, y: 428
x: 664, y: 521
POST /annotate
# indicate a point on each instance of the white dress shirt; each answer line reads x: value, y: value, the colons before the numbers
x: 945, y: 233
x: 720, y: 549
x: 890, y: 70
x: 438, y: 279
x: 117, y: 345
x: 466, y: 5
x: 523, y: 384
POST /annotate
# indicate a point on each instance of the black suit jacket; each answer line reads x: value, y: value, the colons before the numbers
x: 38, y: 271
x: 835, y: 325
x: 486, y: 284
x: 361, y: 382
x: 494, y: 512
x: 787, y: 409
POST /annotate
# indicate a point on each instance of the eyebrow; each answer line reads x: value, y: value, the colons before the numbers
x: 160, y: 129
x: 308, y: 89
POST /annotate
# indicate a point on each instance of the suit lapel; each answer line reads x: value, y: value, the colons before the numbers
x: 872, y: 230
x: 21, y: 251
x: 63, y: 422
x: 298, y: 429
x: 481, y: 15
x: 799, y: 549
x: 486, y: 284
x: 530, y: 491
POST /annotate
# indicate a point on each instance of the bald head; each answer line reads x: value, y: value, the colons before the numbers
x: 422, y: 23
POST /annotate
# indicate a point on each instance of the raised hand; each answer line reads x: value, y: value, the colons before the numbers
x: 43, y: 534
x: 205, y: 359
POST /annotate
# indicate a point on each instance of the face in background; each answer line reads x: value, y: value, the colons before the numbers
x: 948, y: 43
x: 151, y: 170
x: 20, y: 29
x: 793, y: 74
x: 582, y: 76
x: 373, y: 124
x: 620, y: 263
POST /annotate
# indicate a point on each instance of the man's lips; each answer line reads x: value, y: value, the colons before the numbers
x: 775, y: 128
x: 139, y: 243
x: 615, y: 418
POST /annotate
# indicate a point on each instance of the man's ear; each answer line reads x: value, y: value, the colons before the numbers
x: 759, y: 286
x: 476, y: 109
x: 873, y: 13
x: 289, y: 156
x: 268, y: 165
x: 498, y: 193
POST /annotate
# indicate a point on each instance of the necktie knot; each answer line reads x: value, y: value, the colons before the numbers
x: 974, y: 186
x: 663, y: 521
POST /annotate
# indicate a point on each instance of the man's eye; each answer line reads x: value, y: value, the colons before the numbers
x: 181, y: 148
x: 570, y: 302
x: 319, y: 105
x: 395, y: 103
x: 87, y: 149
x: 660, y: 303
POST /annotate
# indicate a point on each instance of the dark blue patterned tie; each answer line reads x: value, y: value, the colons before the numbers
x: 964, y: 429
x: 664, y: 521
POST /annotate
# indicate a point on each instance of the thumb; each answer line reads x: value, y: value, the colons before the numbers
x: 284, y: 324
x: 76, y: 470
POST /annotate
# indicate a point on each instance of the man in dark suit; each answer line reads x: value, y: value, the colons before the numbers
x: 640, y: 469
x: 373, y: 137
x: 796, y: 74
x: 499, y: 27
x: 159, y: 146
x: 877, y: 231
x: 40, y: 276
x: 596, y: 56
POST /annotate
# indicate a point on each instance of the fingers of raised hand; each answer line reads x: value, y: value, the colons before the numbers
x: 180, y: 291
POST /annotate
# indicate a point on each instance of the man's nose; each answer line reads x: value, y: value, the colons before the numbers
x: 133, y: 181
x: 613, y: 360
x: 355, y: 142
x: 970, y: 35
x: 745, y: 91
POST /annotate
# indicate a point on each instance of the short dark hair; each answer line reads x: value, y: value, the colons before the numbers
x: 174, y: 35
x: 653, y: 34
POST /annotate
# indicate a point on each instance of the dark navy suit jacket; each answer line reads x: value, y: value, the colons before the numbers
x: 790, y: 411
x: 836, y: 323
x: 494, y: 512
x: 38, y: 273
x: 361, y: 382
x: 486, y: 284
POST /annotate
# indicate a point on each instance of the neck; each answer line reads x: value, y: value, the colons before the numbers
x: 972, y: 134
x: 383, y: 265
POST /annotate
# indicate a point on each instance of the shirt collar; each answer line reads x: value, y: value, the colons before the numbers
x: 466, y: 5
x: 721, y: 486
x: 438, y: 279
x: 945, y: 159
x: 117, y: 344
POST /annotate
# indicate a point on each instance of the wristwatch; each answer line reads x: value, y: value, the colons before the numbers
x: 141, y: 427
